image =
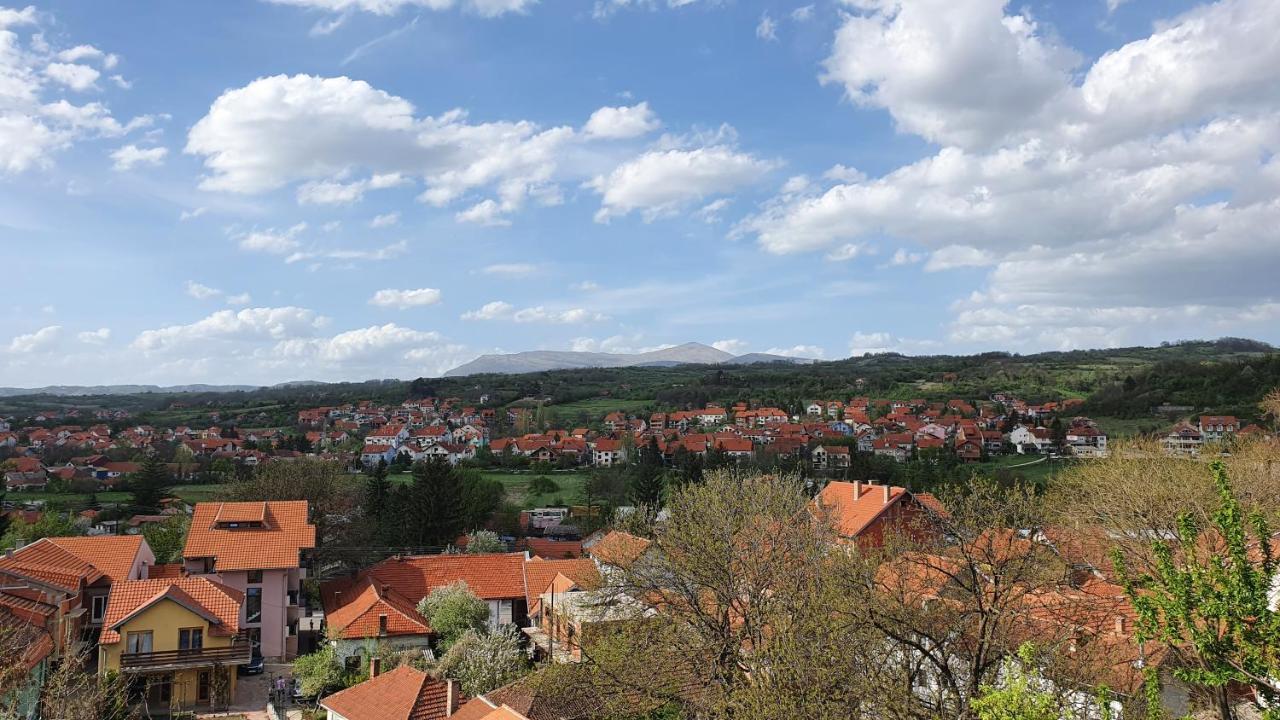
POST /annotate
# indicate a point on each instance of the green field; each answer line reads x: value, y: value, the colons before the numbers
x: 517, y: 487
x: 592, y: 409
x: 1035, y: 468
x: 189, y: 493
x: 1116, y: 428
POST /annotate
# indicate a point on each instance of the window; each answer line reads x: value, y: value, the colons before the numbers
x: 190, y: 638
x: 254, y: 577
x: 138, y: 642
x: 253, y: 605
x: 99, y: 608
x: 204, y: 686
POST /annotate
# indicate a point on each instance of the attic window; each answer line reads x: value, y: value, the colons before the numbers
x: 240, y: 524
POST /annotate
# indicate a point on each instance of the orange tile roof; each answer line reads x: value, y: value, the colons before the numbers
x: 112, y: 554
x: 851, y: 515
x: 619, y: 548
x: 275, y: 546
x: 352, y: 610
x: 491, y: 577
x: 401, y: 694
x: 45, y: 561
x: 215, y: 601
x: 540, y: 573
x: 475, y: 709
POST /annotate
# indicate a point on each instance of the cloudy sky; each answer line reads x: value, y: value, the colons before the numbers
x: 255, y: 191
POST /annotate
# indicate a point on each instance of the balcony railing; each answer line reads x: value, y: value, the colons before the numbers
x: 238, y: 653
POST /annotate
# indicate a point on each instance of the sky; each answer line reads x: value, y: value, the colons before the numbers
x: 260, y: 191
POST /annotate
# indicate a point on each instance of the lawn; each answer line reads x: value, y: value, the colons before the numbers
x: 1035, y: 468
x: 1129, y: 427
x: 189, y: 493
x: 517, y: 487
x: 593, y: 409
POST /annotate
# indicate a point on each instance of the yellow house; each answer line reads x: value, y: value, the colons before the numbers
x: 178, y: 640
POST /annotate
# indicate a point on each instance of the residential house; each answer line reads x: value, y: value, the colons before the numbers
x: 178, y: 638
x: 367, y: 609
x: 606, y: 452
x: 834, y: 457
x: 864, y: 512
x: 1086, y: 441
x: 259, y: 549
x: 1214, y: 428
x: 1183, y: 439
x: 1031, y: 439
x: 404, y: 693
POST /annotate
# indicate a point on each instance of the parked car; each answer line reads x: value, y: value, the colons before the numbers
x: 255, y: 666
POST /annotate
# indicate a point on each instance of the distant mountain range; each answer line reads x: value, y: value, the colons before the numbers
x: 539, y: 360
x: 82, y: 390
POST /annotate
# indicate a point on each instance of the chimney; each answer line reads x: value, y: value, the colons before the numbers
x: 451, y: 698
x: 382, y: 624
x: 857, y: 490
x: 887, y: 489
x: 375, y: 666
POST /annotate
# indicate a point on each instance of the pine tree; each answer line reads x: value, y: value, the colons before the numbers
x: 151, y: 484
x: 437, y: 506
x: 377, y: 488
x: 647, y: 477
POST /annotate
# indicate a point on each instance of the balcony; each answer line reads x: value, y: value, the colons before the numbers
x: 237, y: 653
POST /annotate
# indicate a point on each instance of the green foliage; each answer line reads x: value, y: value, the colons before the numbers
x: 484, y: 541
x: 451, y: 610
x: 50, y: 524
x: 320, y: 672
x: 483, y: 661
x: 150, y: 484
x: 167, y: 538
x: 647, y: 482
x: 1228, y: 387
x: 543, y: 485
x: 435, y: 504
x: 377, y: 489
x: 1016, y: 698
x: 1208, y: 594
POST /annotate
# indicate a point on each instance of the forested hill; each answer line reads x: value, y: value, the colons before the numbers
x: 1222, y: 375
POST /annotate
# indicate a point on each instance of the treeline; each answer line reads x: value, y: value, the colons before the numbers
x: 1221, y: 388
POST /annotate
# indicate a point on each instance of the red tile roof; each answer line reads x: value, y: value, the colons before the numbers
x: 401, y: 694
x: 215, y: 601
x: 619, y: 548
x: 274, y: 546
x: 114, y: 555
x: 46, y: 562
x: 491, y: 577
x: 854, y: 506
x: 353, y: 611
x: 539, y: 573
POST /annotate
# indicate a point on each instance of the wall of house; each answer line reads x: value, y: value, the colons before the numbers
x: 275, y: 599
x: 344, y: 649
x: 163, y: 619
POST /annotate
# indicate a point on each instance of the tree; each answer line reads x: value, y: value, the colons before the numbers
x: 150, y: 484
x: 377, y: 488
x: 320, y: 672
x: 325, y: 486
x: 451, y: 610
x: 168, y: 538
x: 1019, y: 696
x: 437, y: 502
x: 50, y: 524
x: 483, y: 661
x: 1209, y: 599
x: 647, y: 483
x: 484, y: 541
x: 481, y: 497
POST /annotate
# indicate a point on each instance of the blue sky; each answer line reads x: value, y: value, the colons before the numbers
x: 258, y: 191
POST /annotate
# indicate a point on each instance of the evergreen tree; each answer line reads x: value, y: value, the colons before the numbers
x: 647, y: 477
x: 437, y: 504
x: 151, y: 484
x: 377, y: 488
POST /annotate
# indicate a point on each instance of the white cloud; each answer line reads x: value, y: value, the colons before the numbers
x: 812, y: 352
x: 848, y: 251
x: 316, y: 255
x: 585, y: 286
x: 76, y: 77
x: 403, y: 299
x: 95, y: 337
x: 869, y: 343
x: 249, y: 324
x: 80, y: 52
x: 957, y: 256
x: 622, y: 122
x: 486, y: 212
x: 272, y: 241
x: 902, y: 257
x: 802, y: 13
x: 202, y: 292
x: 241, y: 299
x: 660, y: 182
x: 337, y: 192
x: 844, y: 174
x: 732, y: 346
x: 499, y: 310
x: 192, y: 214
x: 386, y: 220
x: 571, y: 316
x: 40, y: 340
x: 510, y: 269
x: 767, y: 29
x: 367, y: 342
x: 130, y: 156
x: 483, y: 8
x: 36, y: 119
